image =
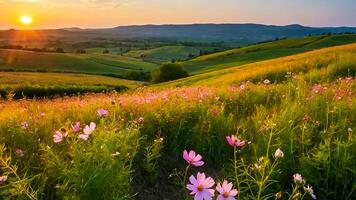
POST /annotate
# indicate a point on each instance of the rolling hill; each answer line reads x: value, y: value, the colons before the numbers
x: 316, y: 65
x: 264, y: 51
x: 20, y: 60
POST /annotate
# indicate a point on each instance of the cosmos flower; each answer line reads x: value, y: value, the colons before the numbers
x: 83, y: 136
x: 76, y: 127
x: 226, y: 191
x: 231, y: 140
x: 89, y: 129
x: 200, y: 187
x: 192, y: 158
x: 102, y: 112
x: 234, y: 141
x: 58, y: 137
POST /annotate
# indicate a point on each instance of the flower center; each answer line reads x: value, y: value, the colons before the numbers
x: 226, y: 195
x: 200, y: 188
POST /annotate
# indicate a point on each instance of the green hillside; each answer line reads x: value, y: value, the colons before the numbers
x: 40, y: 84
x: 19, y: 60
x: 259, y: 52
x: 30, y: 78
x: 166, y: 53
x: 317, y: 64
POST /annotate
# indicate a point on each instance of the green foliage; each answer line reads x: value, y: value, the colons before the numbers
x: 15, y: 186
x: 168, y: 72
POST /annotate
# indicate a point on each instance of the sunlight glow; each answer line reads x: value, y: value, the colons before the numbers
x: 26, y: 20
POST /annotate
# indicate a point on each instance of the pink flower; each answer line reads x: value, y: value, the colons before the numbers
x: 76, y: 127
x: 231, y: 140
x: 200, y: 187
x: 102, y: 112
x: 58, y: 137
x: 318, y: 89
x: 242, y: 86
x: 240, y: 144
x: 83, y: 136
x: 19, y: 152
x: 192, y: 158
x: 89, y: 129
x: 234, y: 141
x: 226, y: 191
x: 298, y: 178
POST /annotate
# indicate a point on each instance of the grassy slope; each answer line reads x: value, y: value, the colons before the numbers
x: 55, y: 62
x: 29, y: 78
x: 270, y: 50
x: 163, y: 54
x: 344, y: 55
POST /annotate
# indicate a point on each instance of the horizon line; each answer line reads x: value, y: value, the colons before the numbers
x: 176, y: 24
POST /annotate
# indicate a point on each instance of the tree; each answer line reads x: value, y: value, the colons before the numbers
x: 168, y: 72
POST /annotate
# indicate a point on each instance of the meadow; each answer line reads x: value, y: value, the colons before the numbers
x: 277, y: 129
x: 264, y: 51
x: 93, y: 63
x: 34, y: 84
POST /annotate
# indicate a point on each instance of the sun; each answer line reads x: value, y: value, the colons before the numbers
x: 26, y: 20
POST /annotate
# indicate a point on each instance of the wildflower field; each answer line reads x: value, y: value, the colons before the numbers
x: 272, y: 133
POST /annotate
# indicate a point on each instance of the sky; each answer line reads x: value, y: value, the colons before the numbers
x: 112, y: 13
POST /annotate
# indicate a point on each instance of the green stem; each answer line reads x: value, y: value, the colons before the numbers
x: 235, y: 169
x: 184, y: 181
x: 269, y: 143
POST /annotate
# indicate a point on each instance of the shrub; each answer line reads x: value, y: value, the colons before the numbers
x: 168, y: 72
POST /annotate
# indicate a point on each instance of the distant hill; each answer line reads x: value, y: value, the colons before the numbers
x: 239, y: 33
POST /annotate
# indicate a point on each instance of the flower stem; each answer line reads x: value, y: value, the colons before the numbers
x: 235, y: 168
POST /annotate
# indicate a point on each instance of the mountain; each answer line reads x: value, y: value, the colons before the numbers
x: 239, y: 33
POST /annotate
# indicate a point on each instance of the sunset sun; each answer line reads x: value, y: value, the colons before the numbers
x: 26, y: 20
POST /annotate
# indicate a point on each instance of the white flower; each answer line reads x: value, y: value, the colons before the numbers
x: 266, y: 81
x: 115, y: 154
x: 3, y: 179
x: 279, y: 153
x: 310, y: 191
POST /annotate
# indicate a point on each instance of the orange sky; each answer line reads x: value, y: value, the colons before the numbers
x: 110, y: 13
